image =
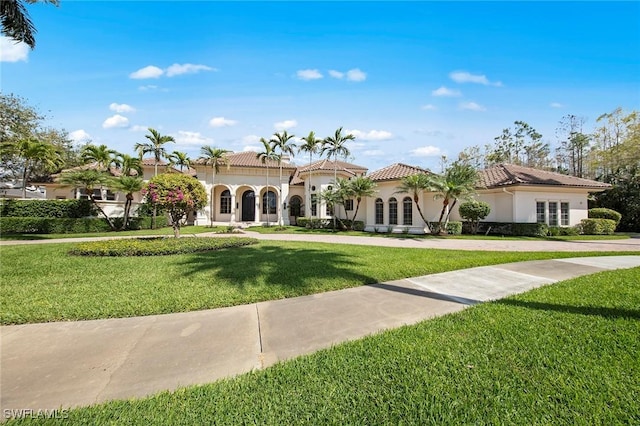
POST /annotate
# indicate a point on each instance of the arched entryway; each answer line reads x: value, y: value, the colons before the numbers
x: 295, y: 209
x: 248, y: 206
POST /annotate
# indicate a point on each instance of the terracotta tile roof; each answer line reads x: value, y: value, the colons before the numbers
x: 151, y: 162
x: 328, y: 165
x: 396, y: 171
x: 91, y: 166
x: 509, y: 174
x: 249, y: 159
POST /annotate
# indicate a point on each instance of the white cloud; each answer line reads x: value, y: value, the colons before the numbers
x: 556, y: 105
x: 356, y: 75
x: 148, y: 87
x: 10, y: 51
x: 80, y: 136
x: 284, y: 125
x: 121, y: 107
x: 179, y: 69
x: 429, y: 107
x: 139, y: 128
x: 372, y: 135
x: 466, y: 77
x: 249, y: 139
x: 252, y: 148
x: 222, y: 122
x: 116, y: 121
x: 336, y: 74
x: 471, y: 106
x: 149, y: 71
x: 443, y: 91
x: 309, y: 74
x: 426, y: 151
x: 373, y: 153
x: 185, y: 137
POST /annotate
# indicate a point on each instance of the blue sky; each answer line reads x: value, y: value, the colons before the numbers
x: 413, y: 81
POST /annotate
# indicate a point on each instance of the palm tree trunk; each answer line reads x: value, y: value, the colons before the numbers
x: 310, y: 201
x: 24, y: 180
x: 213, y: 196
x: 335, y: 178
x: 95, y: 203
x: 446, y: 220
x: 267, y: 196
x: 280, y: 205
x: 416, y: 201
x: 127, y: 209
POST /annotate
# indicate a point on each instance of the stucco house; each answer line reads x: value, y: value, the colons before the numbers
x: 247, y: 191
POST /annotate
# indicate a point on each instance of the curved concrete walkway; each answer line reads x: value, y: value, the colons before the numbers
x: 622, y: 245
x: 69, y: 364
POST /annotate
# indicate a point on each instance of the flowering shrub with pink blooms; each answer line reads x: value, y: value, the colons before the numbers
x: 178, y: 194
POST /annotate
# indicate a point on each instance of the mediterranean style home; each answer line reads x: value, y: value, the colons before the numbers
x: 247, y: 191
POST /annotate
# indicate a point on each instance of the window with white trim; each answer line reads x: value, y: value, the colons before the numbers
x: 553, y: 213
x: 564, y: 214
x: 541, y: 212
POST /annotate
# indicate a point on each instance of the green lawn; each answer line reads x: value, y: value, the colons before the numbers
x: 563, y: 354
x: 301, y: 230
x: 186, y: 230
x: 43, y: 283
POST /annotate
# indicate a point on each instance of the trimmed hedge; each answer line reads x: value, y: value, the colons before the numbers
x: 47, y: 208
x: 602, y: 213
x: 555, y: 231
x: 598, y: 226
x: 453, y: 228
x: 157, y: 246
x: 509, y: 228
x: 37, y: 225
x: 316, y: 223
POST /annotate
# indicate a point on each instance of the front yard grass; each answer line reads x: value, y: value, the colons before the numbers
x: 563, y: 354
x: 185, y: 230
x: 42, y: 283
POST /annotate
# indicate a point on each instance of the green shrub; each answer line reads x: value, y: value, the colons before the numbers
x: 157, y: 246
x: 530, y: 229
x: 474, y: 211
x: 315, y: 223
x: 598, y: 226
x: 510, y: 228
x: 47, y: 208
x: 453, y: 228
x: 48, y: 225
x: 602, y: 213
x: 554, y: 231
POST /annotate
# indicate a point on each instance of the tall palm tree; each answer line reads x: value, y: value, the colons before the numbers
x: 154, y: 146
x: 34, y: 153
x: 213, y: 157
x: 458, y: 181
x: 88, y: 180
x: 16, y: 23
x: 265, y: 156
x: 180, y: 159
x: 129, y: 164
x: 312, y: 146
x: 414, y: 185
x: 128, y: 185
x: 282, y: 142
x: 361, y: 186
x: 101, y: 155
x: 336, y: 146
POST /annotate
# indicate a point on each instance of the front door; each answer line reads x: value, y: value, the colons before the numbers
x: 248, y: 206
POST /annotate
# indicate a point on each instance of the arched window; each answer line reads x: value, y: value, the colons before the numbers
x: 393, y: 211
x: 379, y: 211
x: 407, y: 211
x: 269, y: 200
x: 225, y: 202
x: 295, y: 206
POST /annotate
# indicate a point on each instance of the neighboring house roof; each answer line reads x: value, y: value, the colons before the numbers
x: 90, y: 166
x: 151, y: 162
x: 328, y: 165
x: 396, y: 171
x: 502, y: 175
x: 250, y: 159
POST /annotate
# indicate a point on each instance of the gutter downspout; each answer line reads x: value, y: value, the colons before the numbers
x: 513, y: 204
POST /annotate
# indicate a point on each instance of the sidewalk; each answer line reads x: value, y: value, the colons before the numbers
x: 69, y: 364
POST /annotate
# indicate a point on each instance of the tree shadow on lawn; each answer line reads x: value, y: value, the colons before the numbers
x: 581, y: 310
x: 298, y: 271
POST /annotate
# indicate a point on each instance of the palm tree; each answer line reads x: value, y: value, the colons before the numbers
x: 128, y: 164
x: 34, y: 153
x: 213, y: 157
x: 282, y: 142
x: 361, y: 186
x: 265, y: 156
x: 88, y: 180
x: 129, y: 185
x: 101, y: 155
x: 180, y: 159
x: 459, y: 181
x: 312, y: 146
x: 414, y: 185
x: 336, y: 146
x: 16, y: 23
x: 154, y: 146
